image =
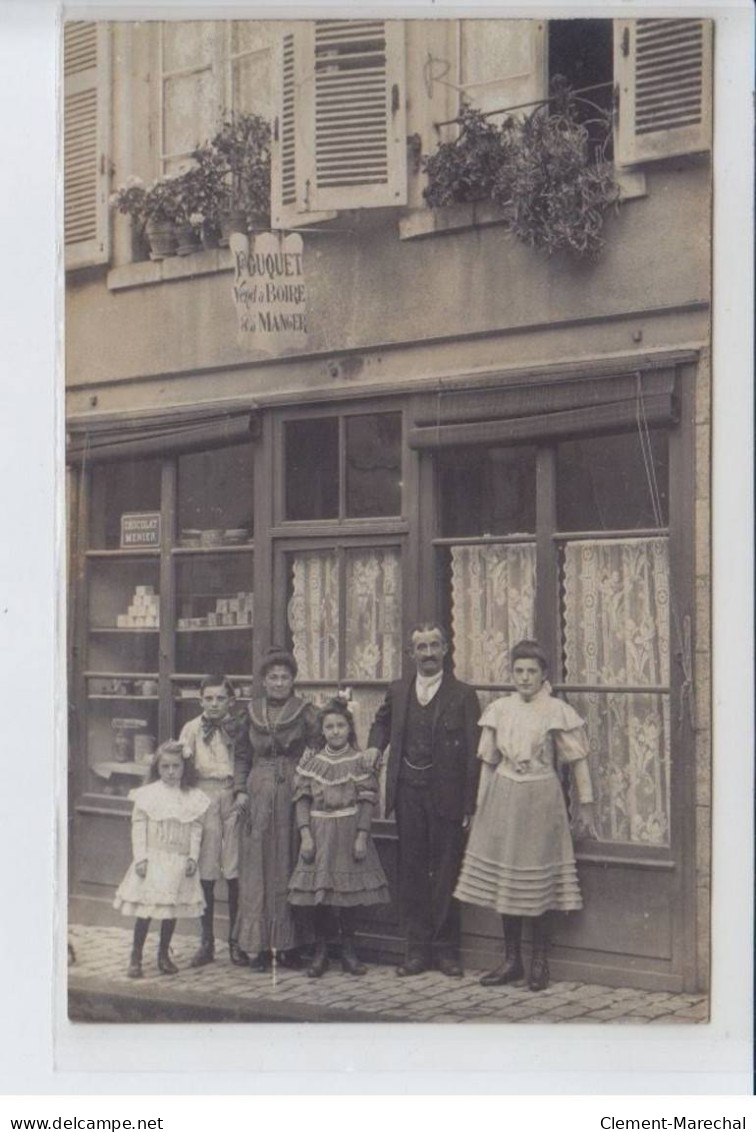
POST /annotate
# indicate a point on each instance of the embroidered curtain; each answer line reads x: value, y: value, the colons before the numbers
x: 314, y: 614
x: 616, y: 631
x: 373, y: 615
x: 493, y: 607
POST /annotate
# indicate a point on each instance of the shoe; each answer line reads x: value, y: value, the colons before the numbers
x: 319, y: 964
x: 238, y: 957
x: 291, y: 960
x: 411, y: 967
x: 135, y: 968
x: 204, y: 954
x: 540, y: 976
x: 507, y: 972
x: 258, y: 963
x: 450, y: 967
x: 166, y: 966
x: 350, y: 963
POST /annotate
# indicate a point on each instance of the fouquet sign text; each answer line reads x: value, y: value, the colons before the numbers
x: 270, y: 292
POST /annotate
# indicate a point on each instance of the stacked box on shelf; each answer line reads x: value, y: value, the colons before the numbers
x: 143, y: 612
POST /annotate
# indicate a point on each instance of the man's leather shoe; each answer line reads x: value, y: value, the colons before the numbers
x: 238, y: 957
x: 411, y: 967
x: 450, y: 967
x: 258, y: 963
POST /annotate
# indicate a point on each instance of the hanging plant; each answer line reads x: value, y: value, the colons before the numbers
x: 544, y: 171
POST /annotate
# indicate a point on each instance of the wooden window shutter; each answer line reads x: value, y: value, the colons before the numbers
x: 356, y: 115
x: 663, y: 74
x: 291, y: 151
x: 86, y: 110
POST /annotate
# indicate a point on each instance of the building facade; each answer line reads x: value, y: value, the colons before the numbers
x: 465, y: 428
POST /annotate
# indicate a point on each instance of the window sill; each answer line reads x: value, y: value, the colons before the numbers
x: 420, y: 222
x: 147, y: 272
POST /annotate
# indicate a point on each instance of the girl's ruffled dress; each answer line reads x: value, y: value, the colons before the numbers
x: 335, y: 794
x: 166, y: 830
x: 519, y: 859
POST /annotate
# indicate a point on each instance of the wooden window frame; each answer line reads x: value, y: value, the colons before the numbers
x: 283, y: 527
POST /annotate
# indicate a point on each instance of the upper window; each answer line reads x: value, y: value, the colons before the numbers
x: 581, y: 56
x: 343, y: 467
x: 490, y: 491
x: 209, y: 69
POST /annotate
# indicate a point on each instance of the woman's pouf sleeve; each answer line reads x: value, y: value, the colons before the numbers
x: 488, y: 751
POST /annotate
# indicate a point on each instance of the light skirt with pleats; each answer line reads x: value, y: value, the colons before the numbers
x: 519, y: 859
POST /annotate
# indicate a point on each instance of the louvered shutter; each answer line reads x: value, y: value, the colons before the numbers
x: 355, y: 114
x: 663, y: 72
x: 85, y: 136
x: 291, y: 152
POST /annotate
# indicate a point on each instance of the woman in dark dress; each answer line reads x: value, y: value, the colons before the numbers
x: 278, y: 728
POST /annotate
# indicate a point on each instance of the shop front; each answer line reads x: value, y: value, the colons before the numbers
x: 556, y: 503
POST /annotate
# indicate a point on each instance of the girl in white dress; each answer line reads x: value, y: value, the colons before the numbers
x: 166, y: 831
x: 519, y: 859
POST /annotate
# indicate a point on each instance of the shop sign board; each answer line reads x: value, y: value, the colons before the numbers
x: 140, y: 529
x: 270, y: 293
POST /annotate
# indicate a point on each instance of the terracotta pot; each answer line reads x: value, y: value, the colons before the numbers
x: 231, y: 222
x: 187, y: 239
x: 162, y: 237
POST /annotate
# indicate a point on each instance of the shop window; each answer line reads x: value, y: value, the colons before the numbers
x: 609, y: 592
x: 373, y: 465
x: 312, y: 468
x: 129, y: 486
x: 489, y: 492
x: 343, y: 468
x: 603, y: 483
x: 215, y: 496
x: 165, y: 612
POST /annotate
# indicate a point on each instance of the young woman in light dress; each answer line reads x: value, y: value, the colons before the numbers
x: 519, y: 859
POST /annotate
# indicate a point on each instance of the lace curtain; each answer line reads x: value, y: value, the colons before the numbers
x: 373, y: 630
x: 493, y: 607
x: 616, y: 631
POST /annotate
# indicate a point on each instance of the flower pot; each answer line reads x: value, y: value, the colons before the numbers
x: 162, y: 237
x: 187, y: 239
x: 210, y: 236
x: 231, y: 222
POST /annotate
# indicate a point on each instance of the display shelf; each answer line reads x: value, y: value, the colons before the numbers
x: 100, y: 629
x: 114, y: 555
x: 99, y: 674
x: 115, y: 696
x: 203, y: 551
x: 106, y: 769
x: 218, y: 629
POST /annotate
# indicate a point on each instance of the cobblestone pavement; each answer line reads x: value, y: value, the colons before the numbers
x: 99, y: 976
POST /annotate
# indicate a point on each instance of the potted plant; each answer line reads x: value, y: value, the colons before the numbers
x: 239, y: 156
x: 547, y: 173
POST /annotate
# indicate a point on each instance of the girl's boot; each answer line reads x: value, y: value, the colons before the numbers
x: 141, y: 928
x: 539, y: 967
x: 166, y: 966
x: 238, y: 957
x: 205, y: 953
x: 319, y: 964
x: 350, y: 962
x: 511, y: 969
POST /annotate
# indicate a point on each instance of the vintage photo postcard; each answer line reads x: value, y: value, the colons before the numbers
x: 387, y: 385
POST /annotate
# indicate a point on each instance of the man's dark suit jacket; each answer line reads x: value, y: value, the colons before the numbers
x: 455, y: 770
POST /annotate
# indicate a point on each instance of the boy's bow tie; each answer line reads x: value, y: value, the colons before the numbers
x: 210, y: 726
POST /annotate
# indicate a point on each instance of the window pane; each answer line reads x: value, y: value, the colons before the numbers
x: 190, y: 111
x: 119, y: 488
x: 492, y: 607
x: 374, y: 465
x: 373, y: 614
x: 214, y: 613
x: 187, y: 43
x: 603, y: 483
x: 253, y: 35
x: 215, y: 496
x: 251, y: 78
x: 312, y: 468
x: 124, y: 616
x: 615, y: 617
x: 121, y: 735
x: 313, y: 613
x: 497, y: 62
x: 629, y: 752
x: 487, y: 491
